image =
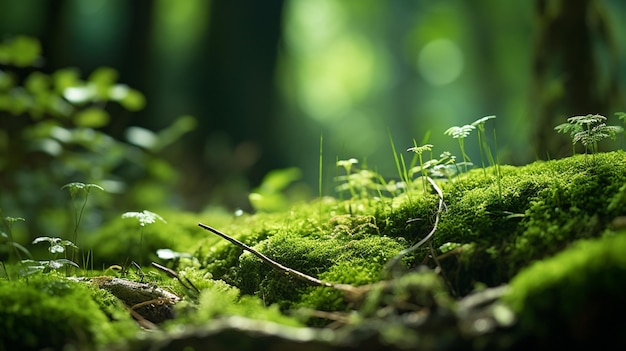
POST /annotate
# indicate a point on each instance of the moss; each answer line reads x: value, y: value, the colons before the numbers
x: 411, y: 291
x: 536, y: 211
x: 542, y: 208
x: 575, y: 297
x: 218, y: 299
x: 118, y: 240
x: 48, y: 311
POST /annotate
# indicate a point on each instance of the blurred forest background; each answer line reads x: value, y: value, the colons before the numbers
x: 264, y: 80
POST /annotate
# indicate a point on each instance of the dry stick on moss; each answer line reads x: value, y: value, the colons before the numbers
x: 394, y: 261
x: 350, y: 292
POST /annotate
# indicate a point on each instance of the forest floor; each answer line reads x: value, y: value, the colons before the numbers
x: 500, y: 257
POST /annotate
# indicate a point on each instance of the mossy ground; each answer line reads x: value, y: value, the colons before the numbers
x: 497, y: 226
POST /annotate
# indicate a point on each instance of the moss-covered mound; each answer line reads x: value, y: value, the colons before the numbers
x: 554, y: 230
x: 51, y: 312
x: 495, y: 222
x: 576, y: 298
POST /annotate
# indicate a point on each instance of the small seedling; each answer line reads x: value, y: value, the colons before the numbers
x: 588, y: 130
x: 57, y: 246
x: 75, y: 188
x: 347, y: 166
x: 419, y: 150
x: 461, y: 133
x: 483, y: 148
x: 6, y: 237
x: 144, y: 218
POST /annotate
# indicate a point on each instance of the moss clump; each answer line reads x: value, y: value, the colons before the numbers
x: 575, y: 298
x: 493, y: 228
x: 324, y: 256
x: 218, y: 299
x: 542, y: 208
x: 48, y: 311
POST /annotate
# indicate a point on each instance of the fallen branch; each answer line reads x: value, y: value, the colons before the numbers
x: 350, y: 292
x: 394, y: 261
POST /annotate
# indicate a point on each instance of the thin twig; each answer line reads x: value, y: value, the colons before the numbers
x: 276, y: 265
x: 394, y: 261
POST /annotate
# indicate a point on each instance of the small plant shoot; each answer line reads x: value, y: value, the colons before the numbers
x: 143, y: 218
x: 460, y: 133
x: 588, y: 130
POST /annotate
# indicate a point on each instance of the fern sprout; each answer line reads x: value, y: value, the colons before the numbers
x: 588, y: 130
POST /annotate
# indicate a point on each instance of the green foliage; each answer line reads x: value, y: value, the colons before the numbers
x: 53, y: 128
x: 8, y: 246
x: 50, y: 312
x: 21, y: 51
x: 272, y: 195
x: 57, y: 246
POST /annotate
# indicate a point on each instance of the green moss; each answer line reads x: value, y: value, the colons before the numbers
x: 218, y: 299
x: 119, y: 239
x: 48, y: 311
x: 413, y: 291
x: 544, y: 206
x: 575, y: 295
x: 536, y: 212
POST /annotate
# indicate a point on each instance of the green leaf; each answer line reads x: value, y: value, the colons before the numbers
x: 102, y: 79
x: 37, y: 82
x: 131, y: 99
x: 482, y: 121
x: 145, y: 217
x: 65, y: 78
x: 92, y: 118
x: 22, y: 51
x: 459, y: 132
x: 142, y: 137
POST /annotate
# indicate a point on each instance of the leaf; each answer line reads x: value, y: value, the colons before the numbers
x: 420, y: 149
x: 459, y: 132
x: 58, y: 263
x: 64, y: 79
x: 145, y: 217
x: 131, y: 99
x: 142, y: 137
x: 14, y: 219
x: 92, y: 117
x: 48, y: 239
x: 481, y: 121
x: 587, y: 119
x: 22, y: 51
x: 73, y: 187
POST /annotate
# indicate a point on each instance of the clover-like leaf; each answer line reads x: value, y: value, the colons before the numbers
x: 459, y: 132
x: 481, y: 121
x: 420, y: 149
x: 144, y: 217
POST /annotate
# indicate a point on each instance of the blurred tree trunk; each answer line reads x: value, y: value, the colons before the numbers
x: 235, y: 80
x: 575, y: 64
